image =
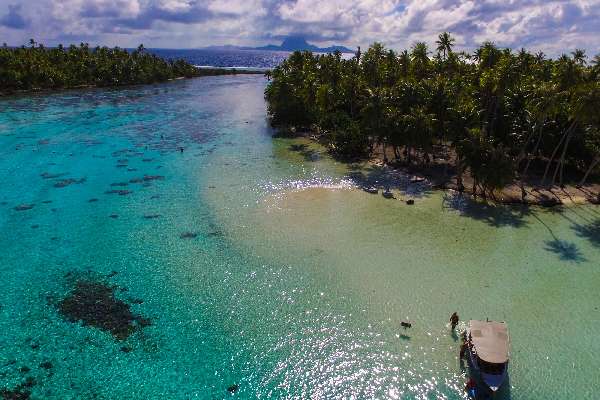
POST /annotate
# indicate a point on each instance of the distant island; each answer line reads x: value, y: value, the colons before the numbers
x: 290, y: 43
x: 38, y: 67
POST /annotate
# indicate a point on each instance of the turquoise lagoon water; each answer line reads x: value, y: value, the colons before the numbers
x: 290, y: 283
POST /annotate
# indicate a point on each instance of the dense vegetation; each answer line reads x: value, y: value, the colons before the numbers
x: 497, y: 111
x: 37, y: 67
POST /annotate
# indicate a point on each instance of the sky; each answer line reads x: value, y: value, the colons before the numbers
x: 552, y: 26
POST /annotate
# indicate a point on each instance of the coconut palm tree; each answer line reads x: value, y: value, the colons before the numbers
x: 445, y: 43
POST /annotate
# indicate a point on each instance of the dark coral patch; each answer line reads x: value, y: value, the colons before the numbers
x: 94, y: 304
x: 18, y: 393
x: 48, y: 175
x: 233, y: 388
x: 153, y: 178
x: 24, y: 207
x: 136, y: 180
x: 67, y: 182
x: 119, y: 184
x: 119, y: 192
x: 188, y: 235
x: 46, y: 365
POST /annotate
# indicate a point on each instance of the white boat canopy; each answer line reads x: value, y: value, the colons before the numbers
x: 490, y: 340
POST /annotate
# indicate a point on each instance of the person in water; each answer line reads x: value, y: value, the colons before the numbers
x: 454, y: 320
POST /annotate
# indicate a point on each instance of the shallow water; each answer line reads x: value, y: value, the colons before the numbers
x: 260, y: 265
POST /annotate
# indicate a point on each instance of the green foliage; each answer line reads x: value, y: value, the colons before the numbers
x: 497, y: 109
x: 38, y: 67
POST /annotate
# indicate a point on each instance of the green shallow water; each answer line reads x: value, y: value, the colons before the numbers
x: 295, y: 283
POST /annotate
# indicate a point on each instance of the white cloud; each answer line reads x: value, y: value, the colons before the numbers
x: 553, y: 26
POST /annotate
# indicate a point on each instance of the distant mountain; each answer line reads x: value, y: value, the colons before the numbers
x: 291, y: 43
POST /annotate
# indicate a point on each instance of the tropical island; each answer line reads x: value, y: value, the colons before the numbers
x: 37, y: 67
x: 493, y: 119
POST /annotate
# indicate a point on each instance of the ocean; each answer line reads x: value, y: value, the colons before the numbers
x: 159, y: 243
x: 226, y: 58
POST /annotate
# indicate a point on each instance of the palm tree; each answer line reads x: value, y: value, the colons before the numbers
x: 445, y: 43
x: 579, y: 56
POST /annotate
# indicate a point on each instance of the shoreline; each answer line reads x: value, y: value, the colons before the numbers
x: 203, y: 72
x: 439, y: 176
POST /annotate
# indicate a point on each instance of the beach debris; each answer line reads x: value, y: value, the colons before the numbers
x: 94, y: 304
x: 188, y: 235
x: 233, y: 388
x: 24, y: 207
x: 410, y: 202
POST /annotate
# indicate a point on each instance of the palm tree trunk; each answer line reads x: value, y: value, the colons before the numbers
x: 535, y: 149
x: 595, y: 162
x: 556, y: 151
x: 559, y: 166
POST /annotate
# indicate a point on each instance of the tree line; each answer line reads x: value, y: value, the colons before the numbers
x: 498, y: 111
x: 38, y: 67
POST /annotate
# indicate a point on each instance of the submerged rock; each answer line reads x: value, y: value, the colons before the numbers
x: 410, y: 202
x: 114, y: 216
x: 94, y: 304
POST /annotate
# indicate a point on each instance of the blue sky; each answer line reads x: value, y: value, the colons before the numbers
x: 552, y: 26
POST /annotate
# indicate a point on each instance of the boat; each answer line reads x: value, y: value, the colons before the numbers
x: 488, y: 348
x: 388, y: 194
x: 370, y: 189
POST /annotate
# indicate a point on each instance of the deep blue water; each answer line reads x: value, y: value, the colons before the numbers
x: 225, y: 58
